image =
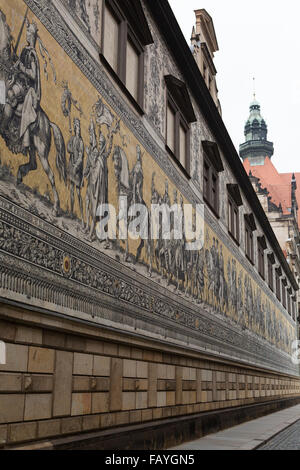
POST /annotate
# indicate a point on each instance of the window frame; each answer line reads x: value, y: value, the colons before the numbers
x: 234, y: 202
x: 278, y: 283
x: 126, y: 34
x: 249, y: 242
x: 261, y: 247
x: 283, y: 294
x: 212, y: 200
x: 271, y: 261
x: 179, y: 121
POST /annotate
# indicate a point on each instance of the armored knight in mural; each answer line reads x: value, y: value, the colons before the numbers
x: 76, y: 150
x: 24, y: 125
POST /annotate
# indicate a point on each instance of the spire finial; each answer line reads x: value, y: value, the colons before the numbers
x: 254, y: 90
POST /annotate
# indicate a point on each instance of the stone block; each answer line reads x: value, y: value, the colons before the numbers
x: 3, y: 434
x: 48, y: 428
x: 135, y: 416
x: 22, y: 432
x: 94, y: 346
x: 111, y: 349
x: 122, y: 418
x: 90, y: 422
x: 81, y: 404
x: 75, y: 343
x: 83, y: 364
x: 141, y: 400
x: 37, y: 406
x: 171, y: 399
x: 170, y: 372
x: 10, y: 382
x: 100, y: 402
x: 81, y: 383
x: 54, y: 339
x: 11, y: 408
x: 142, y: 369
x: 161, y: 371
x: 129, y: 368
x: 161, y: 399
x: 7, y: 331
x: 206, y: 375
x: 107, y: 420
x: 124, y: 351
x: 116, y: 384
x: 136, y: 353
x: 157, y: 413
x: 41, y: 383
x: 128, y: 401
x: 102, y: 384
x: 29, y: 335
x: 101, y: 366
x: 147, y: 415
x: 62, y: 383
x: 71, y: 425
x: 16, y: 358
x: 41, y: 360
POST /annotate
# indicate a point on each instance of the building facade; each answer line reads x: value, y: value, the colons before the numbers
x: 106, y: 104
x: 278, y: 193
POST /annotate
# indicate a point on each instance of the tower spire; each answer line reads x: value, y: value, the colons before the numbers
x: 256, y: 146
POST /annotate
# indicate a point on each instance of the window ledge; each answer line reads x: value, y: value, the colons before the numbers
x: 211, y: 208
x: 249, y: 259
x: 122, y: 86
x: 234, y: 239
x: 178, y: 163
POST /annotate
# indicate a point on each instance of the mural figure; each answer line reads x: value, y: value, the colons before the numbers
x: 90, y: 174
x: 130, y: 184
x: 24, y: 125
x: 75, y: 171
x: 100, y: 177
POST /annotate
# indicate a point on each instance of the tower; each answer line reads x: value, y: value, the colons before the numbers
x: 256, y: 147
x: 204, y: 44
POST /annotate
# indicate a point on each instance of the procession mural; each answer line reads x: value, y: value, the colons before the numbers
x: 63, y: 152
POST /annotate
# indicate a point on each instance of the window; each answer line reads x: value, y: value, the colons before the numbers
x: 271, y: 261
x: 179, y: 115
x: 123, y: 40
x: 283, y: 295
x: 250, y: 227
x: 234, y: 201
x: 212, y: 166
x: 277, y: 276
x: 289, y: 301
x: 178, y: 134
x: 261, y: 246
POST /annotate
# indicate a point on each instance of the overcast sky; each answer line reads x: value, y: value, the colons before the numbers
x: 258, y: 38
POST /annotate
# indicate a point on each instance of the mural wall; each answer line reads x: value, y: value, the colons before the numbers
x: 64, y: 151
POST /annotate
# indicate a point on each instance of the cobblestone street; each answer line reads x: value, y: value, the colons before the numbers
x: 289, y: 439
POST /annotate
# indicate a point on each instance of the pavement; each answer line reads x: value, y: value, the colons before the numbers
x: 280, y: 431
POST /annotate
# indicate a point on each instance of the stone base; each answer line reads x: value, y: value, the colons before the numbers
x: 64, y: 379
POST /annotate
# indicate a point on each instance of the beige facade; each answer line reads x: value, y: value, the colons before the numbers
x: 102, y: 334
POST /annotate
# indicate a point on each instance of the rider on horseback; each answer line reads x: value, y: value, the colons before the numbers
x: 24, y: 92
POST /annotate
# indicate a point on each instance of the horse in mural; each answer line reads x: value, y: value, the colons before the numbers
x: 39, y: 132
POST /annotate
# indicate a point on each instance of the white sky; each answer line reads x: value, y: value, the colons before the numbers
x: 258, y: 38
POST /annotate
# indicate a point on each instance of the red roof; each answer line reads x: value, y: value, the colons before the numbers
x: 278, y: 184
